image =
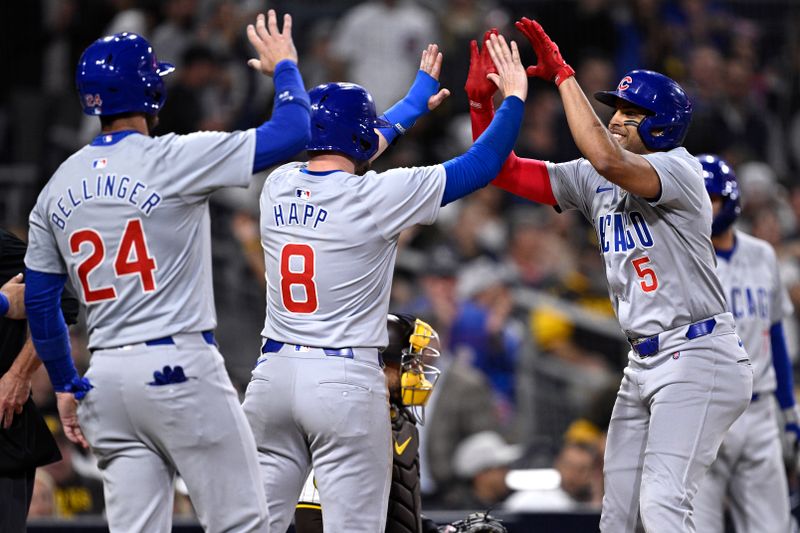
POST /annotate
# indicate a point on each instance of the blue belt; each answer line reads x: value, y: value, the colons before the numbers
x: 271, y: 346
x: 208, y: 336
x: 649, y: 345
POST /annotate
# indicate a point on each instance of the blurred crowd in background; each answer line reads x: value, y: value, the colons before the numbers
x: 532, y: 355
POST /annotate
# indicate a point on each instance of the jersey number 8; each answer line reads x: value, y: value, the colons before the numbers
x: 133, y: 241
x: 304, y: 278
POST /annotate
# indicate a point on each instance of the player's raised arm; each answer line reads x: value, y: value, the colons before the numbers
x: 287, y: 131
x: 482, y: 162
x: 610, y: 150
x: 423, y: 96
x: 527, y: 178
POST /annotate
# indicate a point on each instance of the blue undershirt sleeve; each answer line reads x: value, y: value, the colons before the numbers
x: 287, y: 131
x: 413, y: 105
x: 4, y: 305
x: 783, y: 366
x: 483, y: 161
x: 48, y: 328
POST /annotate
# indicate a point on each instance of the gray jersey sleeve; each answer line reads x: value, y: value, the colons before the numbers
x: 42, y: 254
x: 400, y: 198
x: 572, y: 184
x: 682, y: 185
x: 208, y: 160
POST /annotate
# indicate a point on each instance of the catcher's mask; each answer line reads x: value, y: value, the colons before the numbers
x: 418, y: 342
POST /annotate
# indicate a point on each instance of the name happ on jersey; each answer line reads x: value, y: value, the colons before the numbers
x: 620, y: 232
x: 299, y: 214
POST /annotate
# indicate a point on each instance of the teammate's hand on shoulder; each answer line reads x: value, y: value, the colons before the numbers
x: 479, y: 88
x: 431, y: 64
x: 68, y: 412
x: 14, y: 291
x: 271, y: 45
x: 510, y: 77
x: 551, y: 66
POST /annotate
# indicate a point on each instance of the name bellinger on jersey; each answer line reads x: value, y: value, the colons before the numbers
x: 122, y: 188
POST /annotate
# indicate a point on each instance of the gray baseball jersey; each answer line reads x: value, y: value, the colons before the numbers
x: 330, y: 241
x: 94, y: 218
x: 757, y: 299
x: 658, y: 256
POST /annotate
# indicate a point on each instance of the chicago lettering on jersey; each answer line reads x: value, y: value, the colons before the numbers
x: 749, y: 302
x: 299, y: 214
x: 108, y: 186
x: 620, y: 232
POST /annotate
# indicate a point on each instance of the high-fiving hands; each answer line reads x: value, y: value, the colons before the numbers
x: 431, y: 64
x: 510, y: 77
x: 271, y: 45
x: 551, y: 66
x: 479, y: 88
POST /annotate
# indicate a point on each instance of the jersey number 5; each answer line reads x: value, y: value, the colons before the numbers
x: 133, y: 243
x: 649, y: 281
x: 304, y: 278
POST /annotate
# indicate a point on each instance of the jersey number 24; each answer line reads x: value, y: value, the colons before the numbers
x: 133, y: 243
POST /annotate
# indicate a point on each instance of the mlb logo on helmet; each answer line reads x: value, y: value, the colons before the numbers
x: 624, y: 83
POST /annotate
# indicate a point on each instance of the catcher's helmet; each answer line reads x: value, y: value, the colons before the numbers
x: 120, y: 74
x: 669, y: 109
x: 721, y: 181
x: 343, y: 119
x: 411, y: 341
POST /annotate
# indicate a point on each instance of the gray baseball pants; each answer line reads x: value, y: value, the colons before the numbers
x: 671, y: 414
x: 307, y: 408
x: 142, y: 434
x: 749, y: 475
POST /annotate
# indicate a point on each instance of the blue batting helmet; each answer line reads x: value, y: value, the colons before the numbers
x: 120, y: 74
x: 669, y: 109
x: 721, y: 181
x: 343, y: 119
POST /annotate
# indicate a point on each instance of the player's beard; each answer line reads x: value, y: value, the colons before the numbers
x: 362, y: 167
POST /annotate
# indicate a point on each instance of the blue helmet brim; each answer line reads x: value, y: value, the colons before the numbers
x: 610, y: 98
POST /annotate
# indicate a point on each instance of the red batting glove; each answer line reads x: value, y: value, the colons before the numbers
x: 551, y: 66
x: 478, y: 87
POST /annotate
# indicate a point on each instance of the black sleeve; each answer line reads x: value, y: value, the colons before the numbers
x: 12, y: 256
x: 12, y: 262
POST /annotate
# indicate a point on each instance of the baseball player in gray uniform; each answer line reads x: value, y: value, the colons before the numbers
x: 329, y: 229
x: 126, y: 218
x: 749, y: 473
x: 688, y: 377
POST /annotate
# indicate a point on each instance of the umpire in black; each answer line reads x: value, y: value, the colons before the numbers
x: 25, y: 441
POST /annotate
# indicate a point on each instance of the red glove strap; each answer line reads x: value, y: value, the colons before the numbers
x: 564, y: 72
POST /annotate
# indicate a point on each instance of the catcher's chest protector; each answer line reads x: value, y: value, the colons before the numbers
x: 405, y: 505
